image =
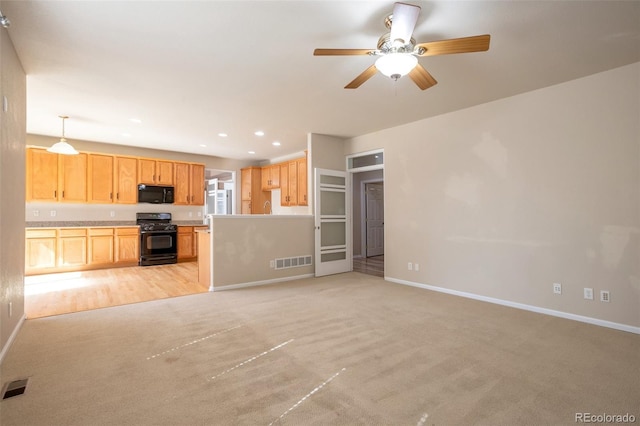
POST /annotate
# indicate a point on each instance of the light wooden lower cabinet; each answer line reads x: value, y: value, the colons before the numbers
x: 72, y: 247
x: 41, y: 249
x: 49, y: 250
x: 127, y: 248
x: 101, y: 246
x: 188, y: 242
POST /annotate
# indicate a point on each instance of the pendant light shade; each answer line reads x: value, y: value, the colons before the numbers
x: 62, y: 146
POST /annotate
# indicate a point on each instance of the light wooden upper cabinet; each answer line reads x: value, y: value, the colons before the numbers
x: 53, y: 177
x: 253, y: 197
x: 293, y: 183
x: 271, y: 177
x: 197, y: 184
x: 189, y: 184
x: 125, y: 185
x: 100, y: 181
x: 106, y: 179
x: 42, y: 175
x: 155, y: 172
x: 302, y: 182
x: 72, y: 186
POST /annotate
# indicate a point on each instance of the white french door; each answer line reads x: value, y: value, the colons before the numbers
x: 332, y: 223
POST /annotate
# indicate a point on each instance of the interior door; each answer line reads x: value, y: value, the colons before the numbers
x: 332, y: 223
x: 375, y: 218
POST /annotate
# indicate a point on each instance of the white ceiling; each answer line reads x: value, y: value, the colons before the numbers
x: 192, y: 69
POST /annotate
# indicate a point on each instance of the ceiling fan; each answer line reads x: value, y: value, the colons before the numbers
x: 398, y: 52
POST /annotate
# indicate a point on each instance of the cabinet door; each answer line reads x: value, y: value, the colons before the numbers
x: 146, y: 171
x: 245, y: 207
x: 293, y: 182
x: 100, y: 178
x: 73, y: 178
x: 181, y: 179
x: 245, y: 184
x: 195, y: 238
x: 185, y: 242
x: 125, y: 175
x: 72, y: 247
x: 302, y: 181
x: 197, y: 184
x: 100, y: 246
x: 284, y: 185
x: 40, y: 249
x: 42, y: 175
x: 127, y: 248
x: 164, y: 172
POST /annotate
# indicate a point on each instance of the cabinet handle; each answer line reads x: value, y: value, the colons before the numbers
x: 117, y: 195
x: 111, y: 195
x: 63, y: 194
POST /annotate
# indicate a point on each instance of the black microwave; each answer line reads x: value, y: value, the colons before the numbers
x: 155, y: 194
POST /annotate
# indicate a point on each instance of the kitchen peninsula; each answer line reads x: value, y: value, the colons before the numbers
x: 249, y: 250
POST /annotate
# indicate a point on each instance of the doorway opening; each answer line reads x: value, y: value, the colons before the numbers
x: 367, y: 207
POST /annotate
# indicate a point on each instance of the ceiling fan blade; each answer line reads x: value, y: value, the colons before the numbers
x: 366, y: 75
x: 340, y: 52
x: 422, y: 78
x: 456, y: 45
x: 403, y: 22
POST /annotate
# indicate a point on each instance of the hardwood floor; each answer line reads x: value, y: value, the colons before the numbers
x: 68, y: 292
x: 369, y: 265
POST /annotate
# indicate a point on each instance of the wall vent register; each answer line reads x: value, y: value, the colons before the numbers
x: 293, y: 262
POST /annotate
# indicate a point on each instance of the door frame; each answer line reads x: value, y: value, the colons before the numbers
x: 353, y: 170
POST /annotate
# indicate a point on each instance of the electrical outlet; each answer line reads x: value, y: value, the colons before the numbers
x: 410, y: 266
x: 272, y: 263
x: 605, y: 296
x: 588, y: 293
x: 112, y: 213
x: 190, y: 214
x: 416, y: 267
x: 36, y: 213
x: 557, y: 288
x: 53, y: 213
x: 199, y: 214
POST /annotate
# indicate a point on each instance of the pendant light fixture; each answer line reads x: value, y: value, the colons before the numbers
x: 62, y: 147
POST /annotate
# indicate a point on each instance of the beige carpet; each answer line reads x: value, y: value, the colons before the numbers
x: 349, y: 349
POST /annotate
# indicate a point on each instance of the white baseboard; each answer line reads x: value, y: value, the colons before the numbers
x: 13, y: 336
x: 257, y: 283
x: 537, y: 309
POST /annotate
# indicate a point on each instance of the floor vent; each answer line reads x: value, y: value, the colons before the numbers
x: 15, y: 388
x: 293, y: 262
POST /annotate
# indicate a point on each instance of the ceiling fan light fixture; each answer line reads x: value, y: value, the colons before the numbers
x: 62, y: 146
x: 396, y: 65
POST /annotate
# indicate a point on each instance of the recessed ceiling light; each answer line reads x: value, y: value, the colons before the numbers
x: 203, y: 145
x: 126, y: 135
x: 135, y: 120
x: 222, y: 135
x: 275, y: 143
x: 252, y: 152
x: 259, y: 133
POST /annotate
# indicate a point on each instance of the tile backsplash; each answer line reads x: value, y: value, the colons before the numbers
x: 64, y: 212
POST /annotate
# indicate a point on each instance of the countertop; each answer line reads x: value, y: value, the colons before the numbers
x: 103, y: 223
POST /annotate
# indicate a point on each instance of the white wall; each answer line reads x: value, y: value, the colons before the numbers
x: 503, y: 199
x: 244, y: 246
x: 12, y: 190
